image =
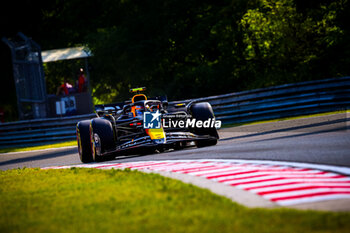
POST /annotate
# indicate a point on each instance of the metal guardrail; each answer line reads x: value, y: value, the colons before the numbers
x: 280, y: 101
x: 39, y: 131
x: 247, y: 106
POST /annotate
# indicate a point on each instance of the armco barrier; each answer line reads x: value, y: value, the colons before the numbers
x: 39, y: 131
x: 247, y: 106
x: 280, y: 101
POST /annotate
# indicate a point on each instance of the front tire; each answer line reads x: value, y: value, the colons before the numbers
x: 83, y: 140
x: 102, y: 138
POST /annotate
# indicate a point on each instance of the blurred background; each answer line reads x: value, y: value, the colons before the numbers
x: 181, y: 48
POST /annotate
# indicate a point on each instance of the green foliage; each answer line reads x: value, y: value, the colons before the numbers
x: 191, y: 48
x: 172, y: 47
x: 92, y: 200
x: 286, y: 42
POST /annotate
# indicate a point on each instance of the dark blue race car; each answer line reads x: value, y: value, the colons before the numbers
x: 143, y: 125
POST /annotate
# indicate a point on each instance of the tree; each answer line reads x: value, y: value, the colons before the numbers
x: 283, y: 44
x: 192, y: 48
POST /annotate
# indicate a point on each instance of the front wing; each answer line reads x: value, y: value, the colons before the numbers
x: 171, y: 138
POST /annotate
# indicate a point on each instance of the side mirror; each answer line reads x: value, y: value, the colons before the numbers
x: 109, y: 110
x: 99, y: 111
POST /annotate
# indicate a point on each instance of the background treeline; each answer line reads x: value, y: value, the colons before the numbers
x: 192, y: 48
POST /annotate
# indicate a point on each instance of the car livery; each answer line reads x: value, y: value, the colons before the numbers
x: 144, y: 125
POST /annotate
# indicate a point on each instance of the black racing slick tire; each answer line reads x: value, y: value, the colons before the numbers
x: 203, y: 111
x: 102, y: 139
x: 83, y: 140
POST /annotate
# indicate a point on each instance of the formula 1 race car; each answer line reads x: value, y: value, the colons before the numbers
x: 145, y: 125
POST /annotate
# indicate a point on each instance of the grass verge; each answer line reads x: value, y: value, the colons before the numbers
x: 92, y: 200
x: 43, y: 147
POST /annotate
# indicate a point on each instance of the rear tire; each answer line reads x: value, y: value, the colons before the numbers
x: 83, y: 139
x: 203, y: 111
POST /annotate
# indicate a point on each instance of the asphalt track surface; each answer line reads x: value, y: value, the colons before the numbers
x: 319, y: 140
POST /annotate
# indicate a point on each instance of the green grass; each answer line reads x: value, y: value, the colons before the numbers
x: 31, y: 148
x: 92, y: 200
